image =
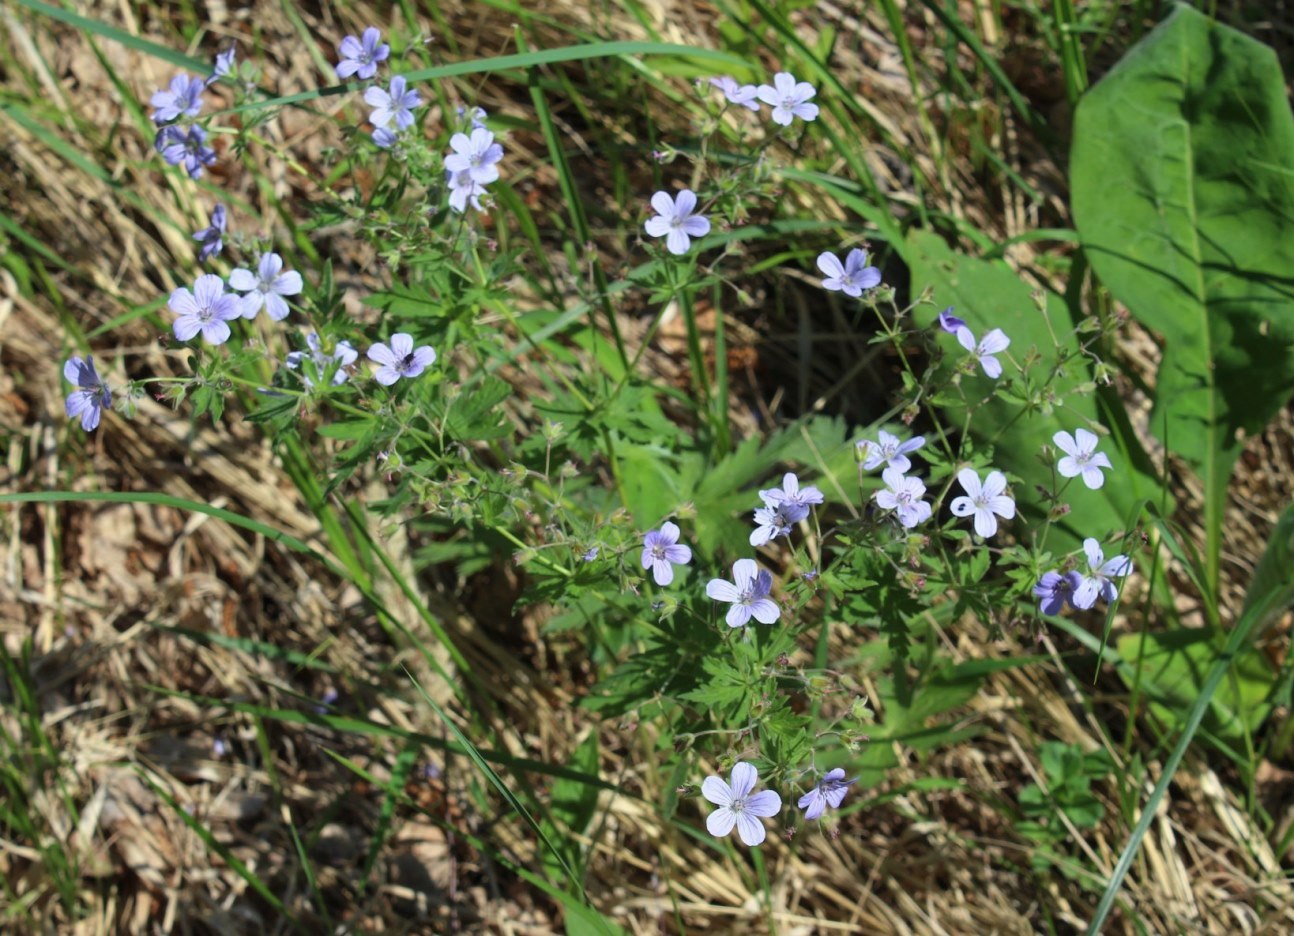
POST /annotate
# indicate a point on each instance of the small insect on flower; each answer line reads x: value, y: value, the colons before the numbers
x: 984, y: 500
x: 208, y: 309
x: 400, y: 359
x: 995, y: 342
x: 830, y: 791
x: 182, y: 98
x: 748, y: 594
x: 1098, y: 582
x: 224, y: 65
x: 676, y: 222
x: 188, y: 149
x: 903, y: 495
x: 742, y: 95
x: 739, y: 805
x: 212, y: 238
x: 949, y: 322
x: 476, y: 155
x: 661, y: 553
x: 791, y: 493
x: 789, y: 99
x: 266, y: 288
x: 361, y: 56
x: 774, y: 521
x: 395, y: 104
x: 889, y: 451
x: 91, y: 396
x: 1081, y: 457
x: 344, y: 354
x: 1055, y: 590
x: 851, y: 277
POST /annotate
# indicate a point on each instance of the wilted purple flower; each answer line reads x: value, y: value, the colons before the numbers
x: 889, y: 451
x: 774, y: 521
x: 993, y: 343
x: 983, y: 500
x: 476, y: 116
x: 789, y: 99
x: 401, y: 359
x: 1081, y: 457
x: 738, y: 805
x: 660, y: 549
x: 212, y: 238
x: 748, y: 594
x: 266, y: 288
x: 476, y: 155
x: 743, y: 95
x: 830, y: 791
x: 791, y: 493
x: 1097, y: 582
x: 361, y: 57
x: 188, y: 148
x: 91, y: 396
x: 224, y: 65
x: 949, y: 322
x: 590, y: 554
x: 904, y: 496
x: 675, y: 221
x: 396, y: 104
x: 208, y: 309
x: 462, y: 189
x: 344, y: 354
x: 851, y: 277
x: 182, y: 98
x: 1055, y: 590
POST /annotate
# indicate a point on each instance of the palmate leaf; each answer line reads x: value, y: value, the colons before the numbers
x: 1183, y: 194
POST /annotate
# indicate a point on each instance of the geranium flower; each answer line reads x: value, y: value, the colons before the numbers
x: 995, y: 342
x: 360, y: 57
x: 830, y: 791
x: 1098, y: 582
x: 748, y: 594
x: 400, y: 359
x: 985, y: 501
x: 852, y: 277
x: 789, y: 99
x: 1081, y: 457
x: 675, y: 221
x: 661, y: 553
x: 91, y: 396
x: 738, y: 805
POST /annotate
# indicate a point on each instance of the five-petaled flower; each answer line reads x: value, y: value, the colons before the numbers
x: 91, y: 396
x: 344, y: 354
x: 208, y: 309
x: 740, y: 94
x: 1055, y: 590
x: 904, y: 496
x: 830, y: 791
x: 212, y: 238
x: 396, y: 104
x: 1100, y: 571
x: 984, y: 500
x: 1081, y: 457
x: 266, y: 287
x: 475, y: 155
x: 748, y: 594
x: 789, y: 99
x: 188, y: 148
x: 995, y: 342
x: 949, y: 322
x: 661, y: 553
x: 675, y: 220
x: 889, y: 451
x: 360, y: 57
x: 182, y: 99
x: 851, y: 277
x: 791, y: 493
x: 401, y: 359
x: 464, y: 189
x: 776, y: 520
x: 738, y: 805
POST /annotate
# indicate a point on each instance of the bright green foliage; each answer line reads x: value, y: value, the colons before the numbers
x: 1068, y: 774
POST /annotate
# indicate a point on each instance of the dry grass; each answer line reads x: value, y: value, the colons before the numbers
x: 99, y: 590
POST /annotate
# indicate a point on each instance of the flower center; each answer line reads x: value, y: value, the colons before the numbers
x: 676, y: 222
x: 406, y: 362
x: 658, y: 551
x: 981, y: 502
x: 205, y: 314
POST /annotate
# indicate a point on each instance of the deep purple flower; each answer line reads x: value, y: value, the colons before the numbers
x: 476, y: 155
x: 830, y: 791
x: 738, y: 805
x: 1054, y: 591
x: 743, y: 95
x: 1100, y: 571
x: 772, y: 522
x: 91, y: 396
x: 190, y: 149
x: 182, y: 98
x: 748, y: 594
x: 789, y: 99
x: 983, y: 500
x: 661, y: 553
x: 208, y: 309
x: 904, y: 496
x: 396, y: 104
x: 463, y: 189
x: 266, y: 288
x: 212, y: 238
x: 224, y: 65
x: 343, y: 353
x: 889, y: 451
x: 791, y: 493
x: 1081, y: 457
x: 852, y: 277
x: 675, y: 221
x: 400, y: 359
x: 995, y: 342
x: 361, y: 57
x: 949, y: 322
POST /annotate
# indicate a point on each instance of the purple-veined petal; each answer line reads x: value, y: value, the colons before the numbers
x: 994, y: 342
x: 743, y: 779
x: 970, y: 482
x: 662, y: 572
x: 677, y: 241
x: 215, y: 332
x: 766, y: 610
x: 744, y: 572
x: 985, y: 523
x: 830, y: 265
x: 697, y: 226
x: 381, y: 354
x: 717, y: 791
x: 738, y: 616
x: 992, y: 366
x: 663, y: 204
x: 993, y: 485
x: 749, y: 829
x: 966, y: 338
x: 276, y: 307
x: 186, y: 326
x: 684, y: 203
x: 720, y: 822
x: 386, y: 375
x: 679, y: 555
x: 657, y: 226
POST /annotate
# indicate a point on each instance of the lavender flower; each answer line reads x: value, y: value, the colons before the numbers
x: 675, y: 221
x: 904, y: 496
x: 889, y: 451
x: 396, y: 104
x: 344, y: 354
x: 1055, y: 590
x: 738, y: 806
x: 851, y: 277
x: 385, y: 137
x: 475, y: 155
x: 949, y: 322
x: 993, y: 343
x: 789, y: 99
x: 361, y: 57
x: 400, y: 359
x: 742, y: 95
x: 983, y: 500
x: 476, y: 116
x: 1097, y: 582
x: 591, y: 553
x: 212, y: 238
x: 830, y: 791
x: 224, y: 65
x: 748, y: 594
x: 208, y: 309
x: 792, y: 493
x: 661, y: 553
x: 91, y: 396
x: 266, y: 288
x: 182, y: 98
x: 774, y: 521
x: 188, y: 149
x: 463, y: 189
x: 1081, y: 457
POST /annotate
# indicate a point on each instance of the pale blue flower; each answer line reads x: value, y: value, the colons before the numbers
x: 464, y: 189
x: 208, y: 309
x: 949, y: 322
x: 851, y: 277
x: 995, y: 342
x: 792, y: 494
x: 343, y: 353
x: 986, y: 501
x: 1098, y: 581
x: 747, y: 593
x: 904, y: 496
x: 395, y: 104
x: 182, y: 99
x: 360, y: 57
x: 266, y: 288
x: 774, y: 521
x: 212, y: 238
x: 1081, y: 457
x: 224, y: 65
x: 400, y: 359
x: 675, y: 220
x: 789, y: 99
x: 739, y: 806
x: 1055, y: 590
x: 476, y: 155
x: 91, y: 396
x: 661, y: 553
x: 187, y: 148
x: 830, y: 791
x: 740, y: 94
x: 889, y: 451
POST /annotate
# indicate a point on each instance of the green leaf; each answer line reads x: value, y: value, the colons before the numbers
x: 1183, y: 195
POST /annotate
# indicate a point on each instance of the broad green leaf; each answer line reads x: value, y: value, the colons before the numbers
x: 1183, y: 194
